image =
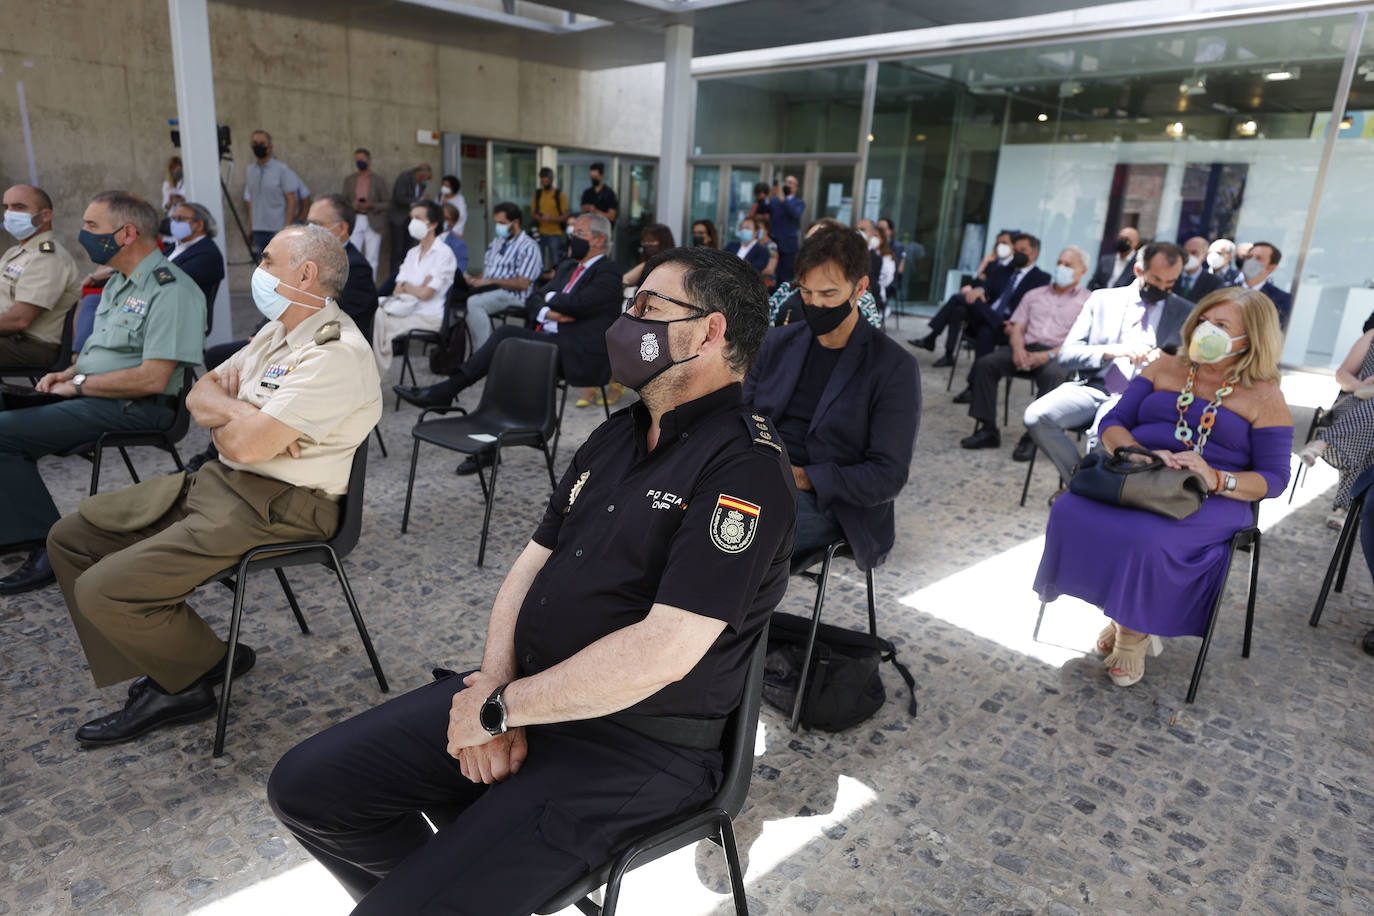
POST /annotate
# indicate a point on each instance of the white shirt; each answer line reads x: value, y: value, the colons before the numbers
x: 551, y: 327
x: 461, y: 203
x: 181, y: 247
x: 745, y: 249
x: 888, y: 273
x: 1120, y: 266
x: 435, y: 269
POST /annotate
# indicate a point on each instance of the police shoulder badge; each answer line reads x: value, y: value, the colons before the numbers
x: 733, y: 524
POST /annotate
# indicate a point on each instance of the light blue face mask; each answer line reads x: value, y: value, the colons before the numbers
x: 272, y: 303
x: 19, y: 225
x: 1063, y: 275
x: 746, y: 235
x: 502, y: 230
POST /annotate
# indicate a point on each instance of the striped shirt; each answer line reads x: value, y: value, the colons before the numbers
x: 513, y: 257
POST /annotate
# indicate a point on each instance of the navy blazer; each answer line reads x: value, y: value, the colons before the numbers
x: 203, y: 262
x: 757, y: 258
x: 862, y: 434
x: 1202, y: 284
x: 1283, y: 302
x: 358, y: 298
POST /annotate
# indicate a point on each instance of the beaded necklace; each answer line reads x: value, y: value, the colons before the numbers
x: 1209, y: 413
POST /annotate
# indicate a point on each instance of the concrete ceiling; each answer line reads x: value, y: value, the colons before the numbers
x: 615, y: 33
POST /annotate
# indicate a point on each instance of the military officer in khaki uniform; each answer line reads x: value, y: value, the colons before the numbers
x: 150, y: 324
x: 39, y: 282
x: 286, y: 413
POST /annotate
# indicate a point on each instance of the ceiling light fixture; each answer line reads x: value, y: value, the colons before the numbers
x: 1278, y: 76
x: 1195, y: 86
x: 1347, y: 122
x: 1042, y: 117
x: 1175, y: 129
x: 1248, y: 128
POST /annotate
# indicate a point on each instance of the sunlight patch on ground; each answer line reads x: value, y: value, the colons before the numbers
x: 306, y: 888
x: 1308, y: 389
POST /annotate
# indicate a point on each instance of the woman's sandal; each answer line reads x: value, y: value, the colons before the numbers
x: 1336, y: 520
x: 1106, y: 640
x: 1128, y: 657
x: 1312, y: 451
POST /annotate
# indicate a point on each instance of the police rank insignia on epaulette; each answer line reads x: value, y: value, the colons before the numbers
x: 47, y: 247
x: 762, y: 433
x: 163, y: 276
x: 327, y: 332
x: 576, y: 489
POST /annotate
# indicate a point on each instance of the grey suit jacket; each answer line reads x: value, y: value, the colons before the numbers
x: 1099, y: 327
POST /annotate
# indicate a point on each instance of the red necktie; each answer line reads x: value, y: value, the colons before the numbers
x: 576, y: 273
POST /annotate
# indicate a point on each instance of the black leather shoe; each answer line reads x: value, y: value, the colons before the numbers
x: 151, y: 709
x: 943, y: 361
x: 469, y: 466
x: 964, y: 397
x: 924, y: 343
x: 983, y: 437
x: 423, y: 397
x: 244, y: 660
x: 1025, y: 449
x: 35, y: 572
x: 1368, y: 642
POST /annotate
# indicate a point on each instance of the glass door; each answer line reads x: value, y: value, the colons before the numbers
x: 705, y: 198
x: 513, y: 171
x: 741, y: 198
x: 834, y: 193
x: 637, y: 190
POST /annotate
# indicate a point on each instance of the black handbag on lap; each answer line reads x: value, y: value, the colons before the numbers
x: 1154, y: 487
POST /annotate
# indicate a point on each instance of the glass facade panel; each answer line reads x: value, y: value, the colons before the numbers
x: 636, y: 193
x: 742, y: 181
x: 798, y: 111
x: 705, y: 194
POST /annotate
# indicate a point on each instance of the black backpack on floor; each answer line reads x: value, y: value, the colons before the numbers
x: 845, y: 686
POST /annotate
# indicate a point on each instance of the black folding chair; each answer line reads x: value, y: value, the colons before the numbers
x: 961, y: 343
x: 1321, y: 419
x: 1244, y: 539
x: 1030, y: 465
x: 64, y: 352
x: 1340, y: 558
x: 122, y: 439
x: 1006, y: 394
x: 210, y: 295
x: 277, y: 557
x: 566, y: 384
x: 517, y: 408
x: 455, y: 310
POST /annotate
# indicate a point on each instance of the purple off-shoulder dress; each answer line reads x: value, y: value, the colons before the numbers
x: 1150, y: 573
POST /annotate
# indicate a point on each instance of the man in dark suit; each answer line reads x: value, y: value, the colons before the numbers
x: 845, y: 400
x: 1255, y: 273
x: 573, y: 311
x: 1117, y: 269
x: 992, y: 276
x: 1196, y: 280
x: 409, y: 187
x: 1220, y: 255
x: 986, y: 317
x: 747, y: 246
x: 196, y: 252
x: 358, y: 300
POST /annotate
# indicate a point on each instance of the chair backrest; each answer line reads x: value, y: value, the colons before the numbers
x: 740, y: 732
x: 351, y: 506
x: 181, y: 423
x: 521, y: 384
x: 64, y: 349
x: 210, y: 295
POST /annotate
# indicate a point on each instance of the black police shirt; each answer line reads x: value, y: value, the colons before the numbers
x: 704, y: 523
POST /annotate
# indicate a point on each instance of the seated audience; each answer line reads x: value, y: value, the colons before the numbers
x: 417, y: 300
x: 1348, y: 443
x: 1118, y: 269
x: 990, y: 280
x: 39, y: 282
x: 704, y: 234
x: 358, y: 298
x: 606, y: 678
x: 654, y: 239
x: 451, y: 192
x: 1196, y: 280
x: 763, y: 224
x: 149, y: 326
x: 196, y: 252
x: 452, y: 239
x: 1036, y: 331
x: 1220, y: 255
x: 882, y: 262
x: 748, y: 247
x: 1260, y: 263
x: 286, y: 413
x: 785, y: 304
x: 1216, y: 409
x: 845, y: 400
x: 512, y: 264
x: 1119, y: 330
x: 985, y: 318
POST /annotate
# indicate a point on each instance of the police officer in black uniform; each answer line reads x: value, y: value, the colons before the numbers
x: 616, y: 647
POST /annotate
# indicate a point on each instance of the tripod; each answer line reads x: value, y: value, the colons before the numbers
x: 243, y: 233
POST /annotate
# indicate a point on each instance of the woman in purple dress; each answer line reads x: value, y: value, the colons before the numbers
x: 1215, y: 409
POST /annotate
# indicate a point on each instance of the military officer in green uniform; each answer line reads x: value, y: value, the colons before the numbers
x: 149, y: 325
x: 286, y: 414
x: 39, y: 282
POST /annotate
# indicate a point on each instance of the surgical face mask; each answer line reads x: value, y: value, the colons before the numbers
x: 746, y: 235
x: 1210, y: 344
x: 1063, y: 275
x: 417, y: 228
x: 874, y: 242
x: 569, y: 231
x: 272, y: 303
x: 20, y: 225
x: 99, y: 246
x: 1020, y: 259
x: 259, y: 150
x: 638, y: 349
x: 1192, y: 264
x: 181, y: 229
x: 503, y: 230
x: 1151, y: 293
x: 1216, y: 260
x: 1251, y: 269
x: 578, y: 247
x: 1003, y: 251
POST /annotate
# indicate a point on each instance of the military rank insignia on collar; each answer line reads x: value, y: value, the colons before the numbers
x: 163, y: 276
x: 733, y: 524
x: 576, y: 489
x: 47, y: 247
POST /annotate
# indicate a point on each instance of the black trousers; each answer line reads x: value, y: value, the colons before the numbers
x: 352, y: 795
x: 951, y: 315
x: 989, y: 370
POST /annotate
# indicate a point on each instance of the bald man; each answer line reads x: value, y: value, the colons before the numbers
x: 1196, y: 280
x: 1118, y: 268
x: 39, y: 282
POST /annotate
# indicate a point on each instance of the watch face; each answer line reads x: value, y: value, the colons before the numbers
x: 490, y: 716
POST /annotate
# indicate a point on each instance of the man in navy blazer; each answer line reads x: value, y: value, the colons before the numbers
x: 747, y: 246
x: 196, y: 252
x: 985, y: 317
x: 1255, y: 273
x: 844, y: 399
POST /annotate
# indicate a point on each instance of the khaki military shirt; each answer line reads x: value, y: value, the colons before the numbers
x: 41, y: 272
x: 327, y: 391
x: 156, y: 312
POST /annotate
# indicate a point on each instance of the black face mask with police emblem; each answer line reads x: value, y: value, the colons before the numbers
x: 638, y: 349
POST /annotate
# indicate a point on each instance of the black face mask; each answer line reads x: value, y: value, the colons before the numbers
x: 596, y: 182
x: 259, y: 150
x: 649, y: 249
x: 578, y: 247
x: 1123, y: 245
x: 1019, y: 260
x: 361, y: 164
x: 698, y: 241
x: 638, y: 349
x: 823, y: 320
x: 786, y: 191
x: 1151, y: 293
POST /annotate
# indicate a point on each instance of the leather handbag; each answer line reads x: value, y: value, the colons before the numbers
x: 1118, y: 481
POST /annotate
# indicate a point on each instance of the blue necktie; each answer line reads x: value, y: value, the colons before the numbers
x: 1000, y: 306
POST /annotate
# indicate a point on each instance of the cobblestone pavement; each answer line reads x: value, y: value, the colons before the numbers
x: 1028, y: 783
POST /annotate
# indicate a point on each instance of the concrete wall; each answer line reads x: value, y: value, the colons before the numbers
x: 98, y: 83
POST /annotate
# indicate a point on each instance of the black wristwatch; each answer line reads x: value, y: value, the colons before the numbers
x: 493, y: 713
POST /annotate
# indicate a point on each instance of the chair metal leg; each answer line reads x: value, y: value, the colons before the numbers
x: 128, y: 463
x: 605, y: 406
x: 410, y: 486
x: 1250, y: 599
x: 176, y: 456
x: 954, y: 358
x: 291, y: 599
x: 1211, y: 626
x: 872, y: 610
x: 491, y: 498
x: 1352, y: 522
x: 1030, y: 469
x: 811, y: 638
x: 1339, y: 558
x: 548, y: 462
x: 95, y: 468
x: 1039, y: 620
x: 558, y: 430
x: 381, y: 443
x: 1006, y: 401
x: 240, y: 585
x: 727, y: 844
x: 337, y: 566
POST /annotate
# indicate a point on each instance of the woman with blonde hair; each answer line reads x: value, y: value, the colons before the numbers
x: 173, y: 186
x: 1215, y: 409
